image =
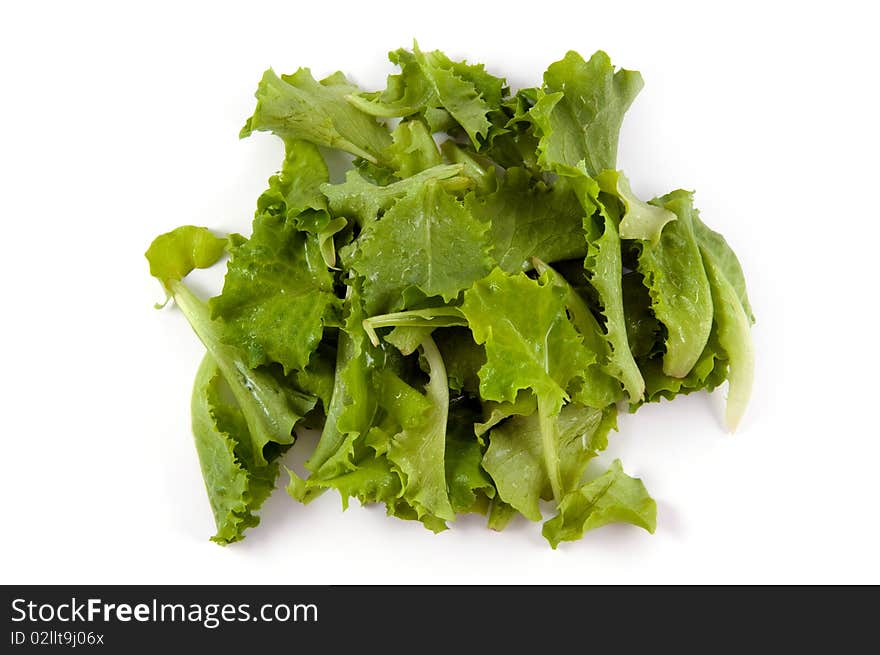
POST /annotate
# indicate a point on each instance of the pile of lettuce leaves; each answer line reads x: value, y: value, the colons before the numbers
x: 465, y: 314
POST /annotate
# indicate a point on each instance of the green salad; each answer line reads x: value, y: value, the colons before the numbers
x: 464, y: 315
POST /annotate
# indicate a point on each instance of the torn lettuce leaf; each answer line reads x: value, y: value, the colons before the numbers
x: 470, y: 487
x: 732, y: 323
x: 479, y: 170
x: 579, y: 111
x: 372, y: 480
x: 596, y: 388
x: 517, y: 455
x: 413, y: 150
x: 297, y: 186
x: 443, y: 92
x: 673, y: 272
x: 604, y: 267
x: 429, y: 241
x: 353, y: 402
x: 708, y: 372
x: 724, y: 261
x: 316, y: 379
x: 534, y: 347
x: 362, y: 201
x: 378, y: 430
x: 613, y: 497
x: 299, y: 107
x: 174, y: 255
x: 418, y: 449
x: 495, y: 412
x: 463, y: 358
x: 529, y: 219
x: 412, y: 326
x: 639, y: 220
x: 277, y: 296
x: 236, y: 484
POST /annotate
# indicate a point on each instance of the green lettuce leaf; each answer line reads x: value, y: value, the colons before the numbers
x: 708, y: 372
x: 297, y: 186
x: 383, y: 440
x: 174, y: 255
x: 579, y: 111
x: 495, y: 412
x: 316, y: 379
x: 529, y: 221
x: 270, y: 409
x: 429, y: 241
x: 604, y: 267
x: 646, y: 337
x: 724, y: 259
x: 643, y: 330
x: 277, y: 296
x: 444, y: 92
x: 372, y: 480
x: 512, y: 142
x: 406, y: 93
x: 478, y: 169
x: 639, y: 219
x: 295, y: 193
x: 676, y: 279
x: 354, y: 401
x: 418, y: 450
x: 597, y: 388
x: 298, y: 107
x: 278, y: 293
x: 732, y: 322
x: 500, y: 515
x: 534, y: 347
x: 407, y: 338
x: 516, y: 457
x: 470, y: 487
x: 613, y: 497
x: 412, y: 326
x: 463, y: 357
x: 413, y: 150
x: 236, y: 484
x: 362, y: 201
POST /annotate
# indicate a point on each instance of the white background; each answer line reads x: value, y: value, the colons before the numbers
x: 119, y: 123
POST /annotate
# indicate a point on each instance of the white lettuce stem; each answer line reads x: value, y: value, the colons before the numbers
x: 436, y: 317
x: 438, y: 385
x: 741, y: 373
